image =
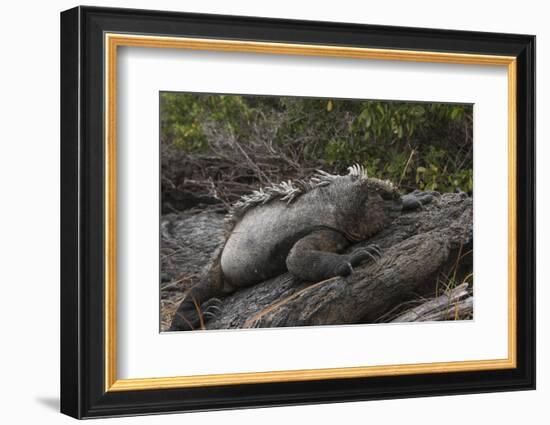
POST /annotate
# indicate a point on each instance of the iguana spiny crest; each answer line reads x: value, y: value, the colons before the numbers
x: 289, y: 190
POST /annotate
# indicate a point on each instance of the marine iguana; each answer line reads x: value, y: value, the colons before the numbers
x: 302, y: 227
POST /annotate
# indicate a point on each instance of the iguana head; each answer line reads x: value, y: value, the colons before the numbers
x: 364, y: 205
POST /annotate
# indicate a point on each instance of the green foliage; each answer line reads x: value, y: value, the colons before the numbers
x: 183, y: 116
x: 432, y: 177
x: 416, y: 145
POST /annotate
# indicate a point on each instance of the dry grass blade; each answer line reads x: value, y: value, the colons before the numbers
x: 455, y: 304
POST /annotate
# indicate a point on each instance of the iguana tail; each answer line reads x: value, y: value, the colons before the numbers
x: 190, y: 315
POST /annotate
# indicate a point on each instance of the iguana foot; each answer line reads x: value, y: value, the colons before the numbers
x: 188, y: 316
x: 211, y: 309
x: 417, y: 199
x: 371, y: 252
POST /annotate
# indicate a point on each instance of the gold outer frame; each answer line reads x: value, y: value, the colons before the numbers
x: 113, y: 41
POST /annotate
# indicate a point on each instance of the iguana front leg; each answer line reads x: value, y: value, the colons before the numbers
x: 316, y: 256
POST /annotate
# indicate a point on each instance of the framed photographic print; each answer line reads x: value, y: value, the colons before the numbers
x: 262, y: 212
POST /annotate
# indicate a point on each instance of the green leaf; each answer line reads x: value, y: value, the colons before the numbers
x: 455, y: 113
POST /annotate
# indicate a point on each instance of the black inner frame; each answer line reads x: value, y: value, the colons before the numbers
x: 82, y: 212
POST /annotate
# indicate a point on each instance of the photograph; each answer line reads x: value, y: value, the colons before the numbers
x: 286, y: 211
